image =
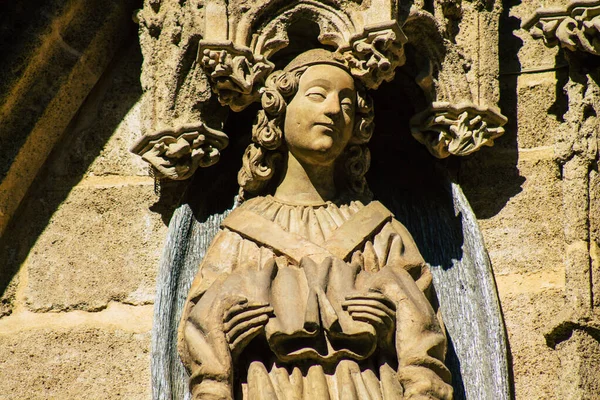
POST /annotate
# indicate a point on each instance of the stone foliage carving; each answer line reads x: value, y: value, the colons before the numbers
x: 446, y: 129
x: 452, y: 123
x: 376, y: 53
x: 238, y: 73
x: 177, y: 153
x: 235, y: 74
x: 575, y: 27
x: 236, y: 61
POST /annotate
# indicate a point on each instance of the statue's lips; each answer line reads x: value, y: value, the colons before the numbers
x: 327, y: 125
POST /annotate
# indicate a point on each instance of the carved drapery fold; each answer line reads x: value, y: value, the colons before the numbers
x: 199, y: 51
x: 575, y: 27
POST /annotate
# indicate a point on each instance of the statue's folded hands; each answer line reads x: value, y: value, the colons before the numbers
x: 243, y: 321
x: 376, y: 309
x: 421, y: 383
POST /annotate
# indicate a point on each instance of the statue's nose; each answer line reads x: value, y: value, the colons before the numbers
x: 333, y: 108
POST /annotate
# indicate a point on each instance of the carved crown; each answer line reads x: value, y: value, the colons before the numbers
x: 237, y: 49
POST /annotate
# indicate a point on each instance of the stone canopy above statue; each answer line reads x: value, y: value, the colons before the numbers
x: 238, y: 45
x: 239, y: 51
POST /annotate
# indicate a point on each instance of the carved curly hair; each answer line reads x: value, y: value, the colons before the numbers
x: 268, y: 150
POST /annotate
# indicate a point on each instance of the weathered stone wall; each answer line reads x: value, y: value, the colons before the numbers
x: 82, y: 253
x: 535, y: 211
x: 79, y: 259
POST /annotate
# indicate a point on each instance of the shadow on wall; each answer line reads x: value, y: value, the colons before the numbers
x: 490, y: 177
x: 110, y: 100
x: 561, y: 102
x: 415, y: 185
x: 593, y: 68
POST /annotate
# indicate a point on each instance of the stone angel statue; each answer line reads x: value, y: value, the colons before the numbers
x: 310, y: 290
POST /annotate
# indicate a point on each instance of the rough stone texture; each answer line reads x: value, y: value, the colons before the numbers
x: 90, y: 194
x: 531, y: 283
x: 595, y: 233
x: 97, y: 141
x: 530, y: 53
x: 82, y: 260
x: 537, y: 96
x: 521, y: 217
x: 85, y: 238
x: 527, y: 234
x: 84, y: 235
x: 589, y: 352
x: 578, y: 354
x: 115, y: 157
x: 534, y: 210
x: 7, y: 300
x: 109, y: 123
x: 83, y: 363
x: 49, y: 84
x: 535, y: 365
x: 481, y: 22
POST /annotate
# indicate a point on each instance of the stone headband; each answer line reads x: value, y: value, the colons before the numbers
x: 317, y: 56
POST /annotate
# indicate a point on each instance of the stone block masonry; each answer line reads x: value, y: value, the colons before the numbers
x: 75, y: 355
x: 79, y: 259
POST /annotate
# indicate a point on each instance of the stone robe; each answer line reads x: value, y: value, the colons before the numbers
x: 304, y: 261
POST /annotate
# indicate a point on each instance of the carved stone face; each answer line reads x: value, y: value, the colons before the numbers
x: 320, y: 118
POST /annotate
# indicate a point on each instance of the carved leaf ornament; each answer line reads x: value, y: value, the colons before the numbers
x: 235, y: 73
x: 236, y: 54
x: 375, y: 55
x: 446, y: 129
x: 575, y: 27
x: 177, y: 153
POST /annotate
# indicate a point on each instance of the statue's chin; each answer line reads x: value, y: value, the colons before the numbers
x: 321, y: 152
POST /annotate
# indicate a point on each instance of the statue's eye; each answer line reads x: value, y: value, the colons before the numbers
x: 316, y: 94
x: 347, y: 105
